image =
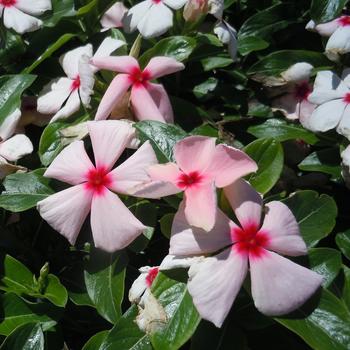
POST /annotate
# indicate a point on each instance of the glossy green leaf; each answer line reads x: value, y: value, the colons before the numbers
x: 322, y: 11
x: 183, y: 317
x: 248, y: 44
x: 104, y: 279
x: 346, y: 288
x: 268, y: 154
x: 26, y: 337
x: 205, y: 88
x: 95, y: 342
x: 60, y: 9
x: 343, y: 242
x: 211, y: 63
x: 163, y: 137
x: 315, y: 214
x: 24, y: 190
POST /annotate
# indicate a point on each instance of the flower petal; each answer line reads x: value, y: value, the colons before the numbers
x: 113, y: 225
x: 121, y: 64
x: 344, y: 125
x: 171, y: 262
x: 16, y: 147
x: 53, y: 95
x: 194, y: 153
x: 20, y: 21
x: 186, y: 240
x: 305, y: 111
x: 107, y: 46
x: 113, y: 16
x: 71, y: 106
x: 324, y: 29
x: 143, y: 105
x: 338, y: 43
x: 298, y: 72
x: 138, y: 287
x: 133, y: 171
x: 162, y: 65
x: 175, y: 4
x: 71, y: 165
x: 201, y: 206
x: 67, y: 210
x: 283, y: 230
x: 109, y: 138
x: 245, y: 202
x: 87, y: 80
x: 135, y: 15
x: 37, y: 7
x: 8, y: 126
x: 113, y: 95
x: 280, y: 286
x: 214, y: 284
x: 157, y: 20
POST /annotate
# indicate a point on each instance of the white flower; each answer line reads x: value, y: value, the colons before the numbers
x: 18, y: 14
x: 78, y: 84
x: 227, y: 35
x: 151, y: 17
x: 332, y: 97
x: 113, y: 16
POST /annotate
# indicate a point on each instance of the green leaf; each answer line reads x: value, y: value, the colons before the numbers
x: 183, y: 317
x: 281, y: 131
x: 315, y: 214
x: 327, y: 262
x: 16, y: 312
x: 166, y: 223
x: 11, y: 89
x: 11, y: 47
x: 346, y: 288
x: 211, y: 63
x: 104, y: 279
x: 248, y: 44
x: 95, y: 342
x: 24, y: 190
x: 29, y: 336
x: 268, y: 154
x: 60, y: 9
x: 322, y: 11
x: 343, y: 242
x: 126, y: 335
x: 55, y: 291
x: 326, y: 328
x: 203, y: 89
x: 163, y: 137
x: 178, y: 47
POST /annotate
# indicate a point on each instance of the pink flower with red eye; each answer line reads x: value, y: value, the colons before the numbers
x: 149, y: 101
x: 113, y: 225
x: 200, y: 167
x: 279, y: 286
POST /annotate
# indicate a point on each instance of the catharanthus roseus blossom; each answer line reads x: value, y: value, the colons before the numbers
x: 114, y: 16
x: 113, y: 225
x: 78, y: 84
x: 194, y: 9
x: 338, y: 32
x: 151, y: 17
x: 332, y: 97
x: 279, y: 286
x: 18, y: 14
x: 149, y: 101
x: 200, y: 167
x: 227, y: 35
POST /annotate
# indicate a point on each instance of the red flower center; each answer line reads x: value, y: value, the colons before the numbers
x: 156, y: 1
x: 189, y: 180
x: 152, y: 274
x: 139, y: 77
x: 346, y: 98
x: 8, y: 3
x: 344, y: 21
x: 76, y: 83
x: 98, y: 179
x: 302, y: 91
x: 250, y: 240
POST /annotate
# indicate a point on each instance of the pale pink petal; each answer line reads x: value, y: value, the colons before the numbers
x: 305, y: 111
x: 324, y: 29
x: 201, y: 206
x: 229, y: 164
x: 37, y: 7
x: 168, y: 172
x: 20, y: 21
x: 338, y: 43
x: 282, y: 230
x: 175, y: 4
x: 288, y: 105
x: 344, y: 124
x: 113, y: 95
x: 144, y: 106
x: 16, y: 147
x: 109, y: 138
x: 87, y: 80
x: 134, y: 16
x: 133, y: 171
x: 121, y: 64
x: 162, y: 65
x: 280, y: 286
x: 113, y: 16
x: 161, y: 99
x: 214, y: 284
x: 8, y: 126
x: 186, y: 240
x: 71, y: 106
x: 113, y: 225
x: 194, y: 153
x: 245, y: 202
x: 67, y: 210
x: 71, y: 165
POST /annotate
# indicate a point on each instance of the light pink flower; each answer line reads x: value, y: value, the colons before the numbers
x: 113, y: 225
x: 142, y: 283
x: 200, y: 167
x: 114, y: 16
x: 279, y: 286
x: 149, y: 101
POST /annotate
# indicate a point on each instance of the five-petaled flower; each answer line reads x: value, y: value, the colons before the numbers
x: 200, y: 167
x: 113, y: 225
x: 279, y: 286
x: 149, y: 101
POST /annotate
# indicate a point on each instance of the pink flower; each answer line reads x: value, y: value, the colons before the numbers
x: 113, y: 225
x: 149, y: 101
x: 278, y: 285
x: 113, y: 16
x: 200, y: 167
